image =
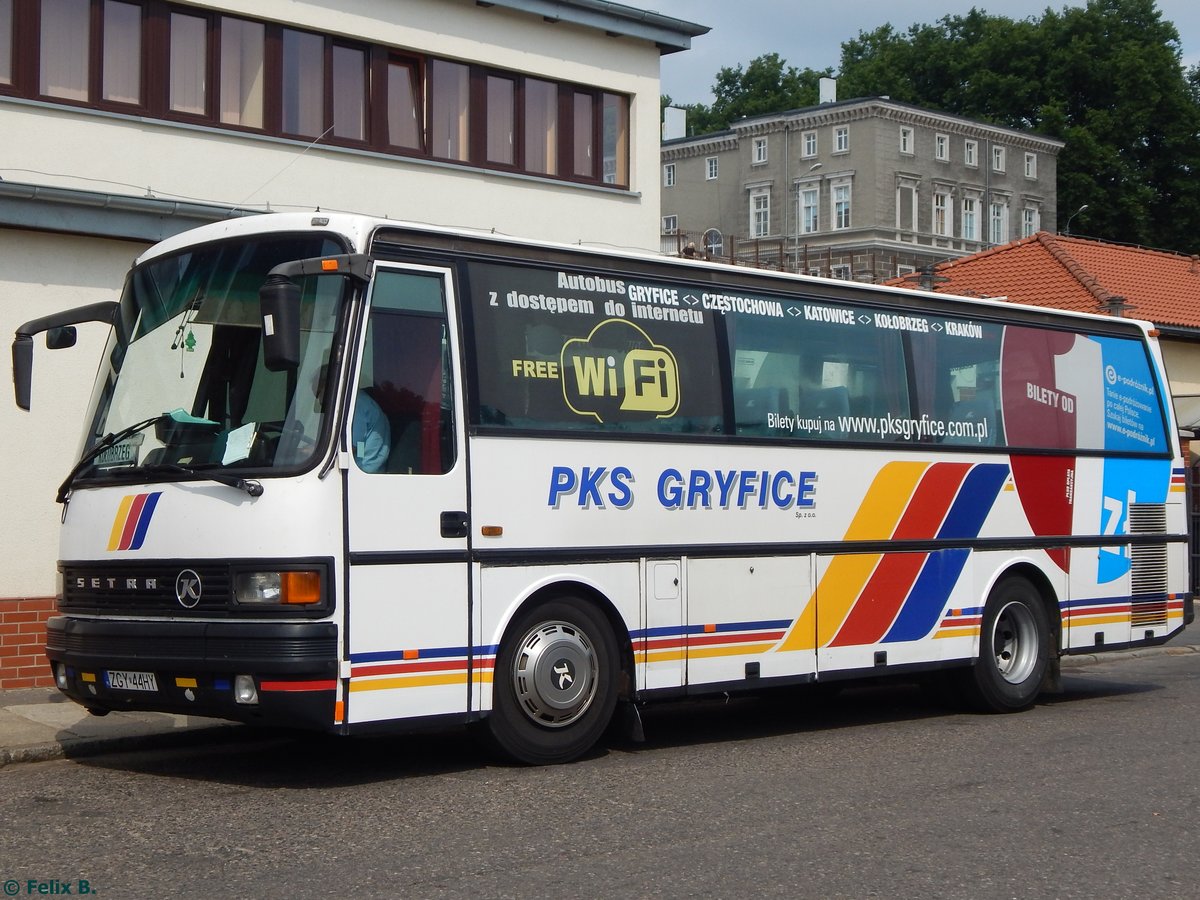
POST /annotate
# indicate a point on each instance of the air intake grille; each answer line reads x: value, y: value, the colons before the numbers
x: 1148, y: 566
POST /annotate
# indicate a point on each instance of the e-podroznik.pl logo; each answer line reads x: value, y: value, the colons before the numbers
x: 47, y: 887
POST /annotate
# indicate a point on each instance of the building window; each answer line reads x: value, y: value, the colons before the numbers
x: 65, y: 44
x: 998, y: 223
x: 997, y: 159
x: 902, y: 270
x: 907, y: 146
x: 970, y: 219
x: 943, y: 219
x: 906, y: 206
x: 760, y: 151
x: 349, y: 93
x: 121, y: 75
x: 841, y: 271
x: 669, y: 175
x: 450, y: 91
x: 185, y: 62
x: 242, y: 72
x: 614, y: 143
x: 189, y: 64
x: 840, y: 198
x: 1031, y: 165
x: 541, y: 127
x: 809, y: 218
x: 304, y: 83
x: 1030, y: 221
x: 971, y: 153
x: 760, y: 213
x: 403, y: 110
x: 710, y: 168
x: 714, y: 243
x: 582, y: 135
x: 808, y: 144
x: 941, y: 147
x: 6, y: 41
x: 670, y: 225
x: 841, y: 139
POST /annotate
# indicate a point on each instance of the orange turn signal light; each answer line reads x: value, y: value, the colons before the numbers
x: 300, y: 588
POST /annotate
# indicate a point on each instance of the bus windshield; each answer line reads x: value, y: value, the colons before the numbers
x: 187, y: 352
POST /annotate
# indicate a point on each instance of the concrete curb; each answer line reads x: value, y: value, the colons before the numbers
x: 1088, y: 659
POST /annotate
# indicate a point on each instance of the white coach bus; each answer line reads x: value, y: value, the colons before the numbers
x: 350, y: 474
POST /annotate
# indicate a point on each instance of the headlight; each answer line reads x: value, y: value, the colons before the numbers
x: 278, y: 588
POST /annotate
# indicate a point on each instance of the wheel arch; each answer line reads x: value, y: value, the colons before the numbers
x: 573, y: 588
x: 1036, y: 576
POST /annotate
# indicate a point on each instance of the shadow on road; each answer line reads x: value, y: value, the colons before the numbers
x: 270, y: 758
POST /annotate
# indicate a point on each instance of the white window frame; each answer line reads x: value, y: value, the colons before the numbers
x: 970, y: 219
x: 998, y: 158
x: 713, y: 246
x: 809, y: 213
x: 808, y: 141
x: 670, y: 224
x: 913, y: 188
x: 941, y: 147
x: 841, y: 139
x: 760, y: 212
x: 711, y: 168
x: 907, y: 141
x: 760, y: 151
x: 1031, y: 221
x: 943, y: 213
x: 840, y: 271
x: 1031, y: 165
x: 998, y: 222
x: 971, y: 153
x: 841, y: 196
x: 669, y: 178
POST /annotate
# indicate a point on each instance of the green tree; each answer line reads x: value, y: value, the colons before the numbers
x: 1105, y: 78
x: 766, y: 85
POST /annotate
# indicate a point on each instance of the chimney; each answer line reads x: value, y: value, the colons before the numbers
x: 827, y: 90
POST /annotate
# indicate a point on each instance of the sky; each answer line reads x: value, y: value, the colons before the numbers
x: 809, y: 34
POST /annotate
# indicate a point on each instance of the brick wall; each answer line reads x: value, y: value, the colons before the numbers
x: 23, y: 643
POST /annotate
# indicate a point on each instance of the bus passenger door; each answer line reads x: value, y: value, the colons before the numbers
x: 406, y: 500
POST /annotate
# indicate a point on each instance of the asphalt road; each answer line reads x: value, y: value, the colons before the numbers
x: 880, y: 794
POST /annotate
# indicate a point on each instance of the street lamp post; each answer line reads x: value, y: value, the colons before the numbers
x: 1067, y: 230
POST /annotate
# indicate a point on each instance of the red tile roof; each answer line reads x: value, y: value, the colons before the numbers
x: 1080, y: 274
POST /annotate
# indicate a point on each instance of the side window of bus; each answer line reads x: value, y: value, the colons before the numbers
x: 816, y: 379
x: 404, y: 413
x: 956, y: 370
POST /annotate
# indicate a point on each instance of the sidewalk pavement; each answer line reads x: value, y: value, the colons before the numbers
x: 38, y: 724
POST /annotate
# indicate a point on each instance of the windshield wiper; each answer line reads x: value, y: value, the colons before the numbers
x: 109, y: 440
x: 253, y: 488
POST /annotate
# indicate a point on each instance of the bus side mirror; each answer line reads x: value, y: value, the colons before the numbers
x: 22, y: 362
x: 60, y: 333
x: 279, y: 307
x: 61, y: 338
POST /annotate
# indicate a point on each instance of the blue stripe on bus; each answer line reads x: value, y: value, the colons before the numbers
x: 926, y: 602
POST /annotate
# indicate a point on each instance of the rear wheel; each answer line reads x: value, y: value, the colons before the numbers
x: 1014, y: 649
x: 555, y: 683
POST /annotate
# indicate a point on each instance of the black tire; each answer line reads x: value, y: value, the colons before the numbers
x: 1014, y: 649
x: 555, y: 683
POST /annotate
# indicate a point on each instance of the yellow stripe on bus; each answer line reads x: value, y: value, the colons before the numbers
x: 847, y: 575
x: 118, y: 528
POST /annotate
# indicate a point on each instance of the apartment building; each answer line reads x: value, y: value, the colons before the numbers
x: 127, y: 121
x: 860, y: 189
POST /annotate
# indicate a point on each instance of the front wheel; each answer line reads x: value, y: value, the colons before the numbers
x: 1014, y: 649
x: 555, y: 683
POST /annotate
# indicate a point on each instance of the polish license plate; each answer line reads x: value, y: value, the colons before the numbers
x: 130, y: 681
